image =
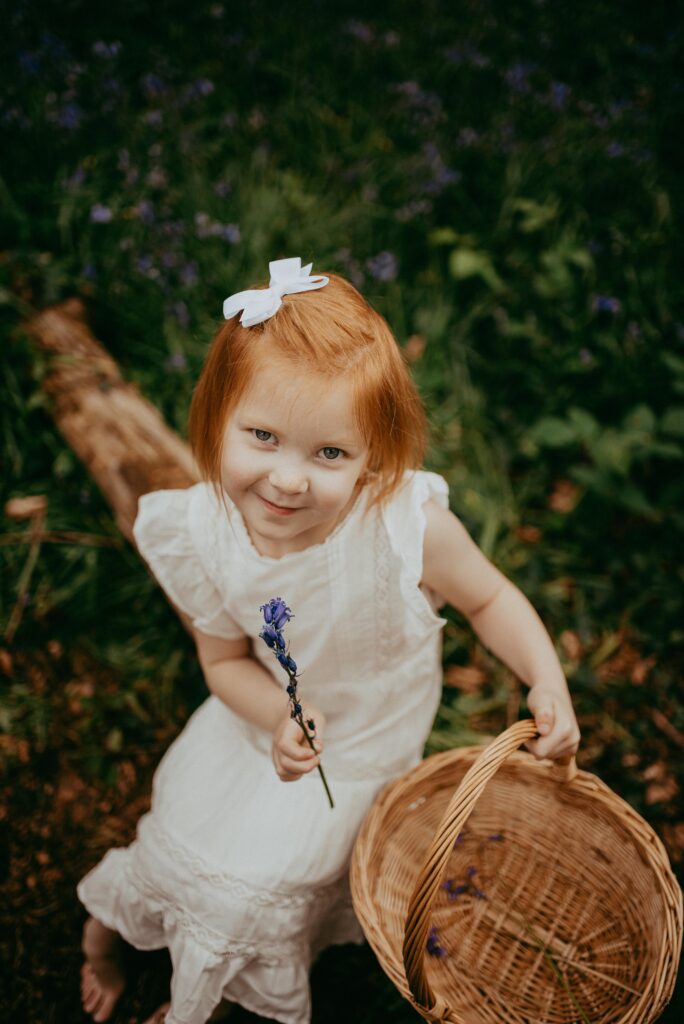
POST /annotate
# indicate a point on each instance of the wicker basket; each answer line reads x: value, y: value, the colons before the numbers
x: 553, y: 901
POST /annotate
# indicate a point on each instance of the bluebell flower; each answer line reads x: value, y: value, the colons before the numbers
x: 276, y: 615
x: 269, y: 635
x: 384, y: 266
x: 433, y: 945
x: 606, y: 304
x: 277, y: 612
x: 100, y: 214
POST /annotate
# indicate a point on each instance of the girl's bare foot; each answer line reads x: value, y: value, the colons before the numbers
x: 221, y: 1012
x: 102, y: 979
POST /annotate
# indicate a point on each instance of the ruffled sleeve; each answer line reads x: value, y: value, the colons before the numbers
x: 173, y: 532
x: 405, y: 522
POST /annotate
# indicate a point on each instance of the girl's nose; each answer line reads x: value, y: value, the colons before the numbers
x: 289, y: 478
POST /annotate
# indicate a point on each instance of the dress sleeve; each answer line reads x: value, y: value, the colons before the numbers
x: 166, y: 532
x: 405, y: 523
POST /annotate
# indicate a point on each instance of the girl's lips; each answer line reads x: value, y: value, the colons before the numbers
x: 278, y: 510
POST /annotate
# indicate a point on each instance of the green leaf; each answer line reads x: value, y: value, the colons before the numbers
x: 641, y: 418
x: 672, y: 421
x: 586, y: 426
x: 553, y: 432
x: 443, y: 236
x: 535, y: 216
x: 465, y: 263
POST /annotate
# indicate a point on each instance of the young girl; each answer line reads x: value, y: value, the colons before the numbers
x: 309, y: 434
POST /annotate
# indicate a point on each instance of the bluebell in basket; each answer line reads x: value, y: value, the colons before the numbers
x: 276, y: 616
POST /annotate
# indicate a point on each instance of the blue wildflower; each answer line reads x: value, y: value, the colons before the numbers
x: 100, y: 214
x: 277, y: 612
x: 269, y: 635
x: 606, y: 304
x: 69, y: 116
x: 433, y: 944
x: 276, y: 615
x: 384, y: 266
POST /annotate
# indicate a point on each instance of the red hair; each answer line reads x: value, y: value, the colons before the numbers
x: 331, y: 331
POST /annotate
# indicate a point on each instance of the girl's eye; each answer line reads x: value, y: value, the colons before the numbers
x: 332, y: 454
x: 263, y: 435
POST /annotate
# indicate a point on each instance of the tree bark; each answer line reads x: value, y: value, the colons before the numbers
x: 122, y: 438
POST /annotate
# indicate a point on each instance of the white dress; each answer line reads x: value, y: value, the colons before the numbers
x: 241, y: 876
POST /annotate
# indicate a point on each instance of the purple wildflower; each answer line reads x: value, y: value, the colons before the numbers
x: 176, y: 362
x: 153, y: 85
x: 189, y: 274
x: 433, y: 945
x: 616, y: 149
x: 144, y: 211
x: 69, y: 116
x: 605, y: 304
x: 517, y: 76
x: 497, y: 837
x: 89, y: 271
x: 180, y: 311
x: 359, y: 30
x: 230, y: 233
x: 100, y: 214
x: 384, y: 266
x: 276, y: 615
x: 470, y: 871
x: 560, y: 94
x: 106, y: 50
x: 29, y: 62
x: 153, y: 118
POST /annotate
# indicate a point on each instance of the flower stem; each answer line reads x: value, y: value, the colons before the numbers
x: 300, y: 721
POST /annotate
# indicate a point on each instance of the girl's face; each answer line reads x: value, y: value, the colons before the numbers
x: 292, y: 458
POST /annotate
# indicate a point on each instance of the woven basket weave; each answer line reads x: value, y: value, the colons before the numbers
x: 572, y: 913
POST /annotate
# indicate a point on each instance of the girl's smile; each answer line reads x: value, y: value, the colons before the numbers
x: 292, y: 457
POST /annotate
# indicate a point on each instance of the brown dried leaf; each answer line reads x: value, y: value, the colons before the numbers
x: 25, y: 508
x: 466, y: 678
x: 641, y: 669
x: 662, y: 792
x: 564, y: 496
x: 673, y: 837
x: 571, y: 644
x: 414, y: 347
x: 528, y: 534
x: 6, y: 663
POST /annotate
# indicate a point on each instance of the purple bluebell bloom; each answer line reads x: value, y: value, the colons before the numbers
x: 276, y: 615
x: 433, y: 945
x: 269, y: 635
x: 100, y: 214
x: 384, y: 266
x: 606, y: 304
x: 70, y: 116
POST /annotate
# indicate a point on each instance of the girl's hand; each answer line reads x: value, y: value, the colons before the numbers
x: 554, y: 717
x: 291, y: 753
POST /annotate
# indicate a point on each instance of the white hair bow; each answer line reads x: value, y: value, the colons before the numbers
x: 287, y: 277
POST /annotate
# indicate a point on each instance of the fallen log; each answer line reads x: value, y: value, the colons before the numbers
x: 120, y: 437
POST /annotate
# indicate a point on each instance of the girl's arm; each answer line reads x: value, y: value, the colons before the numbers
x: 505, y: 621
x: 233, y: 675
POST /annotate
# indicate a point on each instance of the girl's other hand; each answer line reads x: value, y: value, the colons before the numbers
x: 291, y: 753
x: 554, y: 717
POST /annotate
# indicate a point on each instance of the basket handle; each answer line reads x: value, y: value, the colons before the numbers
x: 457, y: 813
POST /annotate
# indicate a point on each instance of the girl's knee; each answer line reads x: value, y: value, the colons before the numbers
x: 97, y: 939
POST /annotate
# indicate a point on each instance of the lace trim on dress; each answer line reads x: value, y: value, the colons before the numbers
x: 217, y: 944
x: 236, y: 886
